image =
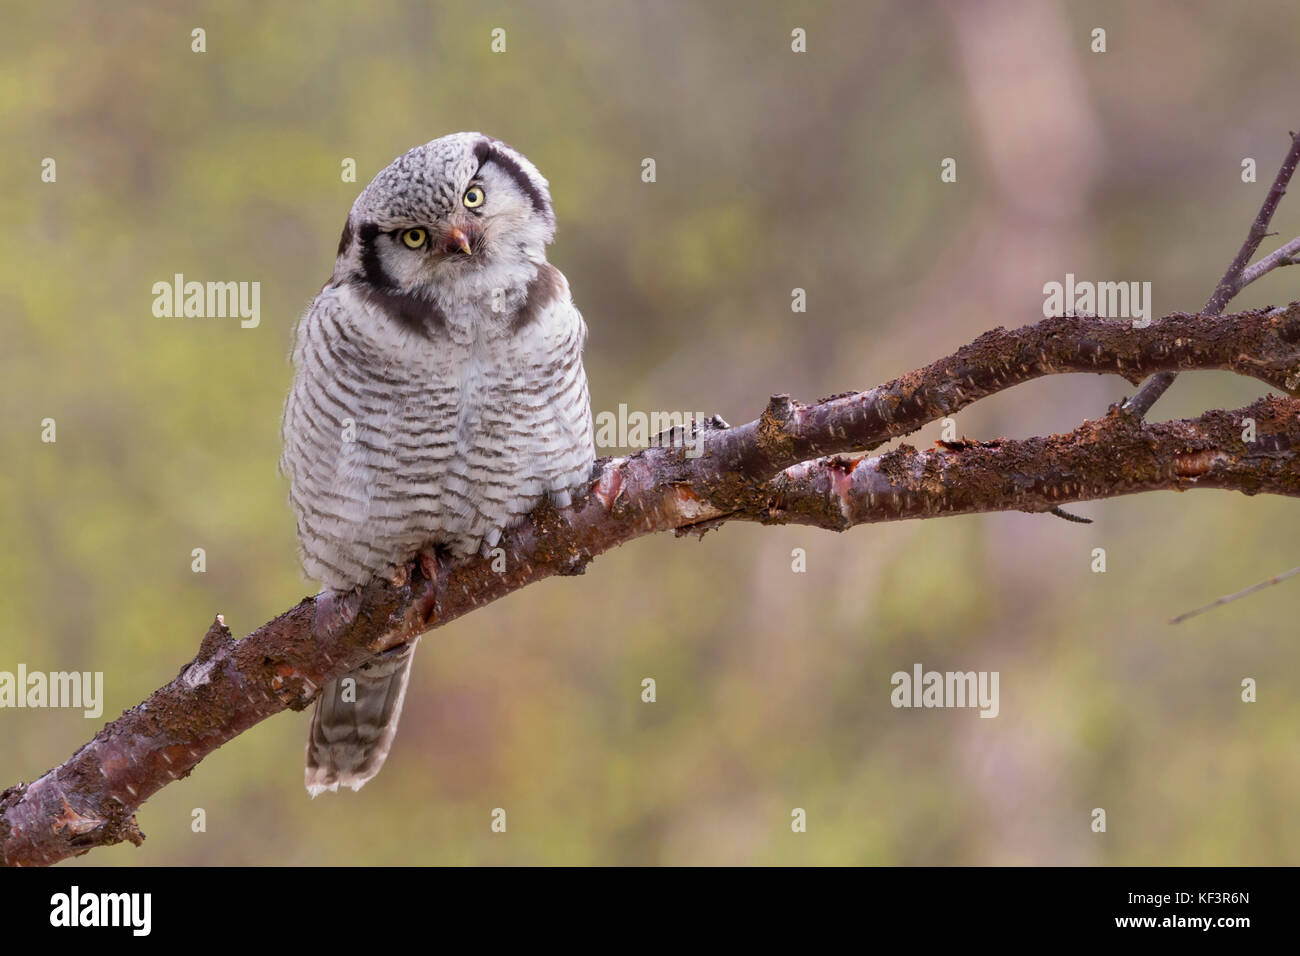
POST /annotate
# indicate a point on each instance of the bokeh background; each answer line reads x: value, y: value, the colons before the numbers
x: 775, y: 170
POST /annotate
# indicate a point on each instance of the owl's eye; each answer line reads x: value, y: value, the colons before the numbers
x: 414, y: 238
x: 474, y: 196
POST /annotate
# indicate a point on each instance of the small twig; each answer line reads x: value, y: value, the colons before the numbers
x: 1288, y: 255
x: 1062, y: 513
x: 1276, y: 579
x: 1234, y: 280
x: 1231, y: 284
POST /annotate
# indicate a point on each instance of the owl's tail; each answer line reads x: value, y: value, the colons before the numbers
x: 355, y: 720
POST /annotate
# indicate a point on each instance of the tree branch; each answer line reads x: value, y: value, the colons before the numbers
x: 772, y: 470
x: 1118, y: 455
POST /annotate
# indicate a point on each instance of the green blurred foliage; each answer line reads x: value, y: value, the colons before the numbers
x: 775, y: 170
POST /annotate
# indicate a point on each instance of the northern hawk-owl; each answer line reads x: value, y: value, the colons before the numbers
x: 438, y: 396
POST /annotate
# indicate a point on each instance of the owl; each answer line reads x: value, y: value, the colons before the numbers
x: 438, y: 396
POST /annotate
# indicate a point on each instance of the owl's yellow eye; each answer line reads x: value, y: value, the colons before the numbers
x: 414, y: 238
x: 474, y: 196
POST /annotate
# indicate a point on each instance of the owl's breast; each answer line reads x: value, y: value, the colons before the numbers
x: 395, y: 444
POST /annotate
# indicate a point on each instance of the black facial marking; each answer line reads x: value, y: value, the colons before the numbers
x: 345, y: 240
x: 512, y: 169
x: 374, y: 269
x: 482, y: 149
x: 410, y: 311
x: 543, y: 289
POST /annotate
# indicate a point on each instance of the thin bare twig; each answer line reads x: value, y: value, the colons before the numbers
x: 1275, y: 579
x: 1069, y: 516
x: 1288, y: 255
x: 1234, y: 280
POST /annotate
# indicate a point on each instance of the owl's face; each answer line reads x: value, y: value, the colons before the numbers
x: 448, y: 220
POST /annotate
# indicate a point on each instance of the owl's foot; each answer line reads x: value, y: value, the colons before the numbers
x: 428, y: 561
x: 335, y: 611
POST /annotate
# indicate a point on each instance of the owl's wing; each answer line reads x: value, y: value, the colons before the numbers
x: 327, y: 456
x: 564, y: 335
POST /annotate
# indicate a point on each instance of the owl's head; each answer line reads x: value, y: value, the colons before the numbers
x: 465, y: 212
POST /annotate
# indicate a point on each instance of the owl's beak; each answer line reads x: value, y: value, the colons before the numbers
x: 456, y: 239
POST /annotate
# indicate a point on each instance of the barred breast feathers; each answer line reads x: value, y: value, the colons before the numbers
x: 454, y: 440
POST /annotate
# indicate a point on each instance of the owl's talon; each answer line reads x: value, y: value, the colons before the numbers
x: 428, y: 561
x: 401, y: 574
